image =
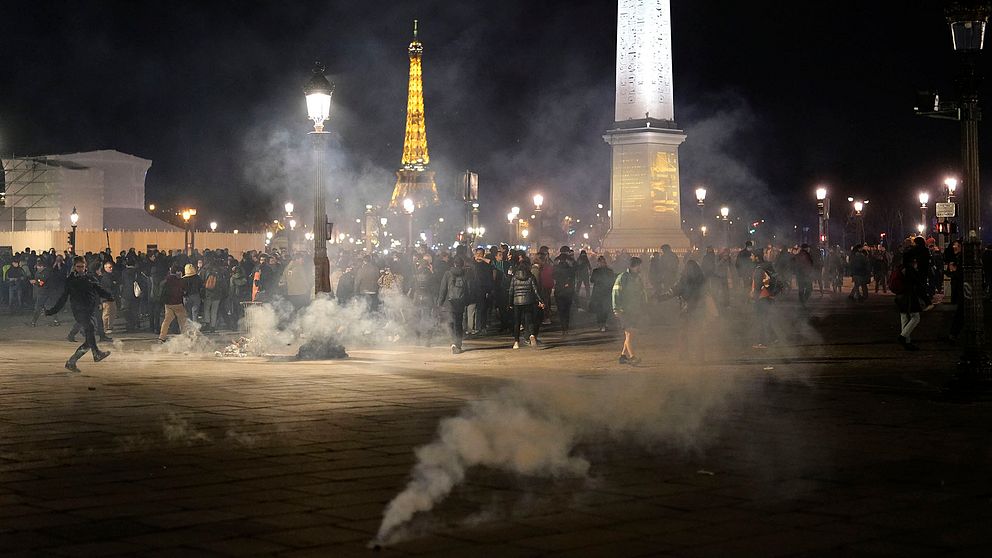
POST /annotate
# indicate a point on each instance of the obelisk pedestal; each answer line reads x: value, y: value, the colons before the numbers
x: 645, y: 200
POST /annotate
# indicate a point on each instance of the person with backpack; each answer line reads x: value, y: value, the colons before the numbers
x: 564, y: 277
x: 83, y: 294
x: 629, y: 303
x: 453, y: 297
x: 525, y: 301
x: 912, y: 299
x: 691, y: 290
x: 765, y: 286
x: 213, y: 293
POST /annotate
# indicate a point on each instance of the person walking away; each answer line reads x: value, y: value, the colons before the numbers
x: 583, y: 269
x: 213, y: 293
x: 173, y: 292
x: 503, y: 270
x: 83, y: 295
x: 130, y: 292
x: 805, y: 270
x: 602, y: 280
x: 880, y: 262
x: 911, y: 300
x: 525, y: 300
x: 744, y: 266
x: 564, y: 277
x: 15, y: 279
x: 424, y: 293
x: 42, y: 285
x: 158, y: 268
x: 859, y: 274
x: 764, y: 288
x: 669, y: 262
x: 483, y: 283
x: 193, y: 291
x: 692, y: 292
x: 629, y: 303
x: 453, y: 296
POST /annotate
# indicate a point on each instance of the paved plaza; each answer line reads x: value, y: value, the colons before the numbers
x: 834, y: 443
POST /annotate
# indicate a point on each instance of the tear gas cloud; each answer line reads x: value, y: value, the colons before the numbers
x: 533, y: 428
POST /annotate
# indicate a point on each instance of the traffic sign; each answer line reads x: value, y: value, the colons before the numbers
x: 946, y: 209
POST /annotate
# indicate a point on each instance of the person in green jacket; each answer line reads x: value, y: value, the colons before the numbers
x: 629, y: 303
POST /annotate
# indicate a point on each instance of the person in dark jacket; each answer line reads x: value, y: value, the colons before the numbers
x: 158, y: 268
x: 860, y: 272
x: 602, y: 279
x: 83, y: 294
x: 453, y: 297
x: 564, y: 276
x: 42, y: 285
x: 424, y: 292
x: 173, y: 293
x: 691, y: 290
x: 525, y: 300
x: 911, y: 301
x: 15, y: 284
x: 955, y: 273
x: 132, y: 287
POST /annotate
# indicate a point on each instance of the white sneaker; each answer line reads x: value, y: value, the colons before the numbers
x: 602, y: 329
x: 516, y: 345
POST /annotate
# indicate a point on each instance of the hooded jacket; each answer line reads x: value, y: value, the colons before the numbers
x: 523, y: 288
x: 84, y: 295
x: 455, y: 288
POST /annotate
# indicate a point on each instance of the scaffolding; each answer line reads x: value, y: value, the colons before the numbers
x: 31, y: 192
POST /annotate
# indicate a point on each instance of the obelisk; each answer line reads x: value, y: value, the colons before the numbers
x: 644, y: 181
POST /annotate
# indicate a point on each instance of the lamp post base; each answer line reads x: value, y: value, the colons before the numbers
x: 322, y: 274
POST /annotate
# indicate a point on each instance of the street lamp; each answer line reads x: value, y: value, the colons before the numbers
x: 701, y: 202
x: 318, y: 92
x: 967, y: 22
x: 538, y: 218
x: 921, y: 227
x: 408, y: 207
x: 924, y: 198
x: 823, y: 215
x: 289, y: 208
x: 725, y: 215
x: 951, y: 184
x: 73, y: 221
x: 187, y: 216
x: 859, y: 207
x: 213, y: 226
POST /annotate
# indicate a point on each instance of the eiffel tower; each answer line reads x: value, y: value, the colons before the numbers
x: 414, y: 180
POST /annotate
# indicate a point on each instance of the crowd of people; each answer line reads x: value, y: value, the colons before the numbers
x: 491, y: 290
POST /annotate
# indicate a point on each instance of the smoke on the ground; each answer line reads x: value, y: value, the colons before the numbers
x: 533, y: 429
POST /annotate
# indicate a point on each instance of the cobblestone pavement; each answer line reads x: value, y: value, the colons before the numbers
x: 832, y: 443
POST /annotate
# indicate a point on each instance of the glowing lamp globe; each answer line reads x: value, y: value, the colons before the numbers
x: 538, y: 200
x: 213, y: 226
x: 700, y: 194
x: 924, y: 198
x: 511, y: 216
x: 858, y: 206
x: 74, y: 217
x: 289, y: 208
x: 821, y: 194
x: 292, y: 224
x: 268, y: 235
x: 951, y: 183
x: 408, y: 205
x: 318, y: 91
x: 724, y: 212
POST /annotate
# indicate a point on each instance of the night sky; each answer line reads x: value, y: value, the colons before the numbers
x: 775, y: 97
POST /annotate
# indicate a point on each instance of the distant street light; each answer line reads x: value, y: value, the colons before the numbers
x: 73, y: 220
x: 823, y: 215
x: 924, y: 198
x: 289, y: 208
x: 701, y: 202
x: 725, y: 215
x: 187, y: 215
x: 213, y: 226
x: 538, y: 219
x: 318, y: 92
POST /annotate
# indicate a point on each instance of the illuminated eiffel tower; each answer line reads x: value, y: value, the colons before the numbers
x: 414, y: 180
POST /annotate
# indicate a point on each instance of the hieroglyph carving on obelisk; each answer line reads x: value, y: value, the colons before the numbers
x: 644, y: 183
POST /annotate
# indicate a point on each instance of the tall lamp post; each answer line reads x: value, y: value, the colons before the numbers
x: 859, y: 214
x: 538, y: 202
x: 924, y: 199
x: 73, y: 220
x: 187, y: 216
x: 725, y: 215
x: 967, y: 21
x: 823, y: 215
x: 701, y: 202
x: 318, y: 92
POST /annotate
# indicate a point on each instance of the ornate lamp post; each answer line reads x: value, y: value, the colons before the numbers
x: 701, y: 203
x: 823, y: 215
x: 187, y: 216
x: 924, y: 199
x: 318, y: 93
x: 73, y: 220
x: 725, y: 216
x: 538, y: 202
x: 859, y: 208
x: 967, y: 21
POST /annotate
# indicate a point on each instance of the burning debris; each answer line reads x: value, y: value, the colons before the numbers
x: 240, y: 347
x: 321, y: 349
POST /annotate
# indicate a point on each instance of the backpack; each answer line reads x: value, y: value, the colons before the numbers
x: 896, y: 283
x: 775, y: 285
x: 211, y: 283
x: 457, y: 288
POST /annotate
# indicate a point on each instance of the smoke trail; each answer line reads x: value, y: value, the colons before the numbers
x: 533, y: 429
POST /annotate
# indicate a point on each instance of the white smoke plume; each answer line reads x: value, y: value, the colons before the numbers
x: 533, y: 429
